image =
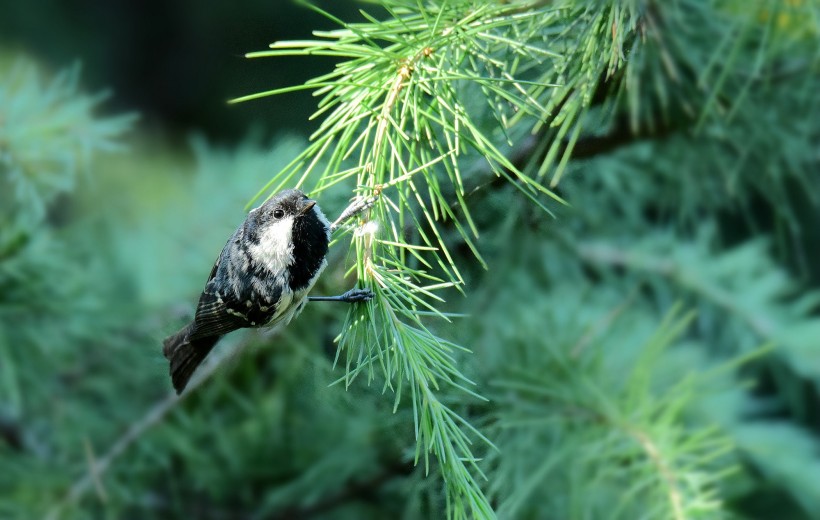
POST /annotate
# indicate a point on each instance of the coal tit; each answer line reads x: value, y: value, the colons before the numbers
x: 261, y: 278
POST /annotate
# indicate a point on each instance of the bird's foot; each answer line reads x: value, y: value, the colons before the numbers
x: 351, y: 296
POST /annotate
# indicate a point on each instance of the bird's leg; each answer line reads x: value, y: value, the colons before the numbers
x: 358, y: 205
x: 351, y: 296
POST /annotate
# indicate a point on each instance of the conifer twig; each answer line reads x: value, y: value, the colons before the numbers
x: 153, y: 416
x: 399, y: 112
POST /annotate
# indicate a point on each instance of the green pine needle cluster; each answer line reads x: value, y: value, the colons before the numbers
x: 400, y: 116
x: 49, y: 134
x: 395, y: 111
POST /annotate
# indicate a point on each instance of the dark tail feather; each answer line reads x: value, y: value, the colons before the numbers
x: 186, y: 354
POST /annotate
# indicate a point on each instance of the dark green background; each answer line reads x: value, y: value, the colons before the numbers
x: 121, y: 256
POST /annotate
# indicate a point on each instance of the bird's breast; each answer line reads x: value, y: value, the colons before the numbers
x: 274, y: 249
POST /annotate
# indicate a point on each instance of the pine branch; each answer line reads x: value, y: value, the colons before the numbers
x: 98, y: 466
x: 603, y: 435
x: 399, y: 113
x: 768, y: 306
x: 48, y: 136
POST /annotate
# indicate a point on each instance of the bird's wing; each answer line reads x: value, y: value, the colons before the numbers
x: 247, y: 302
x: 217, y: 314
x: 213, y: 317
x: 222, y: 312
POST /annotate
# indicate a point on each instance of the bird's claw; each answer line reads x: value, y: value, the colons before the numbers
x: 358, y: 296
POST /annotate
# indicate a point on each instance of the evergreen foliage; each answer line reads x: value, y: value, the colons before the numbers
x: 635, y: 334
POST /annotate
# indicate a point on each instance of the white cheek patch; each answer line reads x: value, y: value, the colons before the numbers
x: 275, y: 247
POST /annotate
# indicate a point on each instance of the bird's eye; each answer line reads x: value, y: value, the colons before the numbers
x: 278, y: 213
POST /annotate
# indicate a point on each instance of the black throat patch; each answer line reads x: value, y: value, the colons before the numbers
x: 309, y: 249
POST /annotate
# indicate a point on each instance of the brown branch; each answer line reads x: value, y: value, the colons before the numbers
x: 153, y: 416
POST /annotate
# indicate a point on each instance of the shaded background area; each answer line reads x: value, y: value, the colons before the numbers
x: 109, y: 228
x: 177, y: 63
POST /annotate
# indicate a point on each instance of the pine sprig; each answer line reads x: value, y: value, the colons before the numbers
x: 398, y: 113
x: 601, y: 429
x: 755, y: 299
x: 48, y: 135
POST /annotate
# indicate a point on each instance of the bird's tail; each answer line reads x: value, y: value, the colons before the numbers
x: 186, y: 354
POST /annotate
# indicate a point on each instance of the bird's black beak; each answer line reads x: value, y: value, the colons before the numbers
x: 308, y: 204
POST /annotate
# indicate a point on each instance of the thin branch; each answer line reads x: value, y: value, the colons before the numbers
x: 609, y: 255
x: 663, y: 467
x: 153, y: 416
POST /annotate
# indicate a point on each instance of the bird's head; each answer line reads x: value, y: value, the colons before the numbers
x: 289, y: 229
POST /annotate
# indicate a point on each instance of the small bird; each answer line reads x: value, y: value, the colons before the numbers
x: 261, y: 278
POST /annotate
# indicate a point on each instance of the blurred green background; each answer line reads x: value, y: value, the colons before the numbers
x: 123, y: 170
